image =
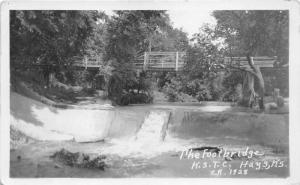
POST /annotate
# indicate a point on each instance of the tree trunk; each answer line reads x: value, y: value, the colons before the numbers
x: 253, y: 79
x: 248, y: 92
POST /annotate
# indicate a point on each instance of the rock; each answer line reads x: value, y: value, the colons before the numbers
x: 79, y: 160
x: 270, y: 106
x: 275, y: 109
x: 57, y: 166
x: 211, y: 149
x: 175, y: 155
x: 280, y: 101
x: 228, y: 159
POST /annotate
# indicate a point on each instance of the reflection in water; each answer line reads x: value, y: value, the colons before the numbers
x: 212, y: 108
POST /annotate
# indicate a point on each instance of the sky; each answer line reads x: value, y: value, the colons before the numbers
x: 189, y: 21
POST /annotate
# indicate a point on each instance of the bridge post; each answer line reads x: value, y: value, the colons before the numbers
x: 176, y: 64
x: 145, y: 61
x: 85, y: 61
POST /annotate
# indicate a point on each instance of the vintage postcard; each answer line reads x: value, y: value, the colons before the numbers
x: 155, y: 92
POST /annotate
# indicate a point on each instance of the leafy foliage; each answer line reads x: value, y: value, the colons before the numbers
x: 232, y: 83
x: 54, y: 38
x: 205, y: 55
x: 181, y: 89
x: 201, y: 78
x: 128, y: 33
x: 255, y: 32
x: 50, y: 37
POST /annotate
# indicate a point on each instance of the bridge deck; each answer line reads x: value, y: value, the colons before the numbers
x: 242, y: 62
x: 167, y: 61
x: 160, y: 61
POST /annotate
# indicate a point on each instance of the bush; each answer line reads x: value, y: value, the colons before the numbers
x: 133, y: 98
x: 173, y: 89
x: 172, y: 95
x: 178, y: 90
x: 128, y: 88
x: 233, y: 95
x: 232, y: 84
x: 215, y: 87
x: 198, y: 89
x: 203, y: 95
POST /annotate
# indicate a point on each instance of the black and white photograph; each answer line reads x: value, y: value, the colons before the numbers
x: 149, y: 93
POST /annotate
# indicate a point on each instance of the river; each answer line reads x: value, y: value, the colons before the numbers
x: 151, y: 140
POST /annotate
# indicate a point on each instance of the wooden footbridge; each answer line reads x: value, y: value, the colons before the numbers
x: 242, y: 62
x: 175, y: 61
x: 160, y: 61
x: 167, y: 61
x: 148, y: 61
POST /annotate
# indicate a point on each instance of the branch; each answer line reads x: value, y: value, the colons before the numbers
x: 251, y: 63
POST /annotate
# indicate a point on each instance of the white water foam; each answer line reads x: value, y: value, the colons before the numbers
x: 152, y: 128
x: 148, y: 142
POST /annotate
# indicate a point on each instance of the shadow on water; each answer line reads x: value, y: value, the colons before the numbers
x: 25, y: 109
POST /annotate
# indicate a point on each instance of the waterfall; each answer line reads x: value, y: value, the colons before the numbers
x: 150, y: 139
x: 154, y: 127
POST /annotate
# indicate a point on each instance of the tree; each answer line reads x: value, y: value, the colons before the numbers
x: 204, y: 55
x: 254, y: 33
x: 50, y: 38
x: 169, y: 39
x: 128, y: 34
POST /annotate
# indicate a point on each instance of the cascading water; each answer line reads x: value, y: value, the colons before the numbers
x: 154, y: 127
x: 143, y: 143
x: 150, y: 140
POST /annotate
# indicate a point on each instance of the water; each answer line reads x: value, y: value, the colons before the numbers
x: 151, y: 139
x: 146, y: 141
x: 154, y: 127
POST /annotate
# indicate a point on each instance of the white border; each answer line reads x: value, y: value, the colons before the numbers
x: 294, y: 8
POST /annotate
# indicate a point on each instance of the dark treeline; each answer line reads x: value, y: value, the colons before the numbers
x: 54, y: 38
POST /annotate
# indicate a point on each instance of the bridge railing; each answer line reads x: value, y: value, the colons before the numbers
x: 160, y: 61
x: 164, y: 61
x: 242, y: 62
x: 173, y: 61
x: 88, y: 62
